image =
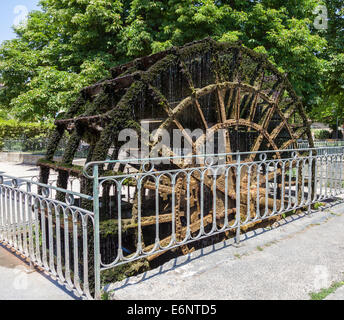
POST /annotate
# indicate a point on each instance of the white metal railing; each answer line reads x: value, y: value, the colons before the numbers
x: 201, y: 196
x: 52, y: 234
x: 320, y: 143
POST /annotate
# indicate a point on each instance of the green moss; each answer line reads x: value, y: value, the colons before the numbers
x: 126, y: 182
x: 54, y: 140
x: 123, y: 271
x: 318, y: 205
x: 109, y: 227
x: 288, y: 213
x: 59, y: 165
x: 72, y: 147
x: 105, y: 295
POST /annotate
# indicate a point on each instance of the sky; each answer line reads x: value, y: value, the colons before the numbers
x: 11, y: 12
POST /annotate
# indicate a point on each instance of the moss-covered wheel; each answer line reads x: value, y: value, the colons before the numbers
x: 232, y: 114
x: 231, y: 93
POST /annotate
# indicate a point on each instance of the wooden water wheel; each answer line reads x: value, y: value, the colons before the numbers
x: 233, y: 110
x: 227, y: 91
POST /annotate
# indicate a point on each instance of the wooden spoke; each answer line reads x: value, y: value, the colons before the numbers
x: 163, y: 189
x: 185, y: 134
x: 228, y: 146
x: 296, y: 136
x: 145, y: 221
x: 253, y: 107
x: 284, y: 122
x: 280, y: 92
x: 221, y: 104
x: 263, y: 132
x: 232, y: 108
x: 161, y: 99
x: 205, y: 124
x: 237, y: 105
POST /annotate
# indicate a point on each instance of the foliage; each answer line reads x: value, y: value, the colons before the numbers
x: 322, y: 134
x: 318, y: 205
x: 332, y: 103
x: 13, y: 129
x: 335, y: 33
x: 70, y: 44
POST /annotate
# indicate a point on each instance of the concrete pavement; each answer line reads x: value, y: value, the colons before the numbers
x: 18, y: 170
x: 19, y: 282
x: 295, y: 258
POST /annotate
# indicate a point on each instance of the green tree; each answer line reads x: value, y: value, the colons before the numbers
x: 330, y: 108
x: 70, y: 44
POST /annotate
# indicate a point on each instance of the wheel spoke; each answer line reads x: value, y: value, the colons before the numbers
x: 198, y: 106
x: 221, y: 104
x: 263, y: 133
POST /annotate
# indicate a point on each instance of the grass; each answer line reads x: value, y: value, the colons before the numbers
x: 288, y: 214
x: 323, y: 293
x: 260, y: 248
x: 318, y: 205
x: 237, y: 255
x: 105, y: 295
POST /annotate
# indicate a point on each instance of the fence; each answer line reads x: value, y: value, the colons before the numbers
x: 301, y: 144
x: 39, y: 146
x: 158, y: 205
x: 52, y: 234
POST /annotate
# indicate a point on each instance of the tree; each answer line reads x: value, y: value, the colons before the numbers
x: 330, y: 108
x: 73, y: 43
x: 60, y: 50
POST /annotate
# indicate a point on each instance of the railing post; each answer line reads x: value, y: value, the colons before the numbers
x: 237, y: 237
x: 29, y: 217
x: 310, y: 182
x: 96, y: 232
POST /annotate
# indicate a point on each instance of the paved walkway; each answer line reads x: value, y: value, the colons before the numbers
x: 18, y: 170
x: 18, y: 282
x: 288, y: 262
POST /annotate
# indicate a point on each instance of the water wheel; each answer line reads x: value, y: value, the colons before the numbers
x: 234, y: 105
x: 229, y: 95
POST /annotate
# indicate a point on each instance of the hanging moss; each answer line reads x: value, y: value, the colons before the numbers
x: 110, y: 226
x: 54, y: 141
x: 124, y: 271
x: 74, y: 170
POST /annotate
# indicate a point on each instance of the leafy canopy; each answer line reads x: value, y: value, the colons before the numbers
x: 70, y: 44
